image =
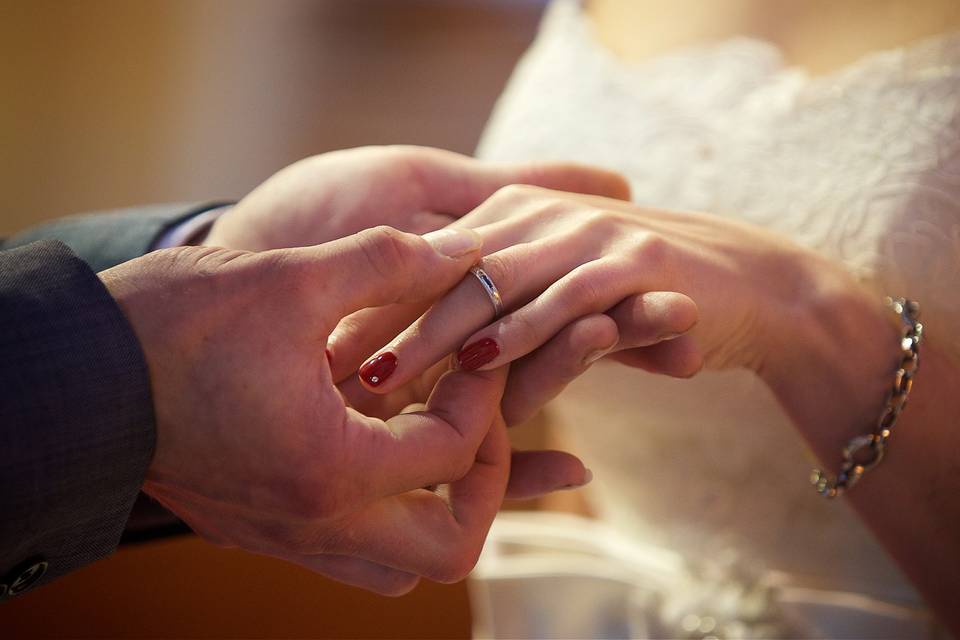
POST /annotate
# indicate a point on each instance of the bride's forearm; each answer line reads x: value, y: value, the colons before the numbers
x: 833, y: 381
x: 912, y: 499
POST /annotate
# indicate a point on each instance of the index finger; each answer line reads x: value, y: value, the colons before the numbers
x: 435, y: 446
x: 455, y: 184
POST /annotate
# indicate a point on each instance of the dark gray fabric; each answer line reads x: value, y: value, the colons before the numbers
x: 108, y: 238
x: 76, y: 416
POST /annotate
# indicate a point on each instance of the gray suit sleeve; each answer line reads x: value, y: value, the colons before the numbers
x: 77, y: 428
x: 76, y: 422
x: 105, y: 239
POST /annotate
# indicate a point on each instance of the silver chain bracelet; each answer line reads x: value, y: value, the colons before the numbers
x: 864, y: 452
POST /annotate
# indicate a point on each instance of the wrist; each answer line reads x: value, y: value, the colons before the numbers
x: 837, y: 354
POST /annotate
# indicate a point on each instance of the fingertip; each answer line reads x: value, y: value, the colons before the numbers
x: 695, y: 364
x: 584, y: 481
x: 537, y: 473
x: 594, y: 336
x: 458, y: 243
x: 399, y: 587
x: 655, y: 316
x: 375, y: 372
x: 677, y: 358
x: 580, y: 178
x: 603, y: 182
x: 683, y: 312
x: 618, y: 187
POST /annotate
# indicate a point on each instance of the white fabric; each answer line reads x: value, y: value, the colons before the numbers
x: 862, y: 164
x: 548, y: 575
x: 183, y: 233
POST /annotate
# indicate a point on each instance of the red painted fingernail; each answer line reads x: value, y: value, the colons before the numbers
x: 378, y: 368
x: 329, y: 355
x: 473, y: 356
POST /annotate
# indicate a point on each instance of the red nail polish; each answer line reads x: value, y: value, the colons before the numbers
x: 329, y: 355
x: 475, y: 355
x: 378, y: 368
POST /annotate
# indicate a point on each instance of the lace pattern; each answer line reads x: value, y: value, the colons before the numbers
x: 863, y: 165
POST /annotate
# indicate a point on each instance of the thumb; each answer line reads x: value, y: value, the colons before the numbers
x: 566, y: 176
x: 455, y: 184
x: 382, y: 266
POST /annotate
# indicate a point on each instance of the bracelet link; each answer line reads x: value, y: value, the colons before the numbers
x: 864, y: 452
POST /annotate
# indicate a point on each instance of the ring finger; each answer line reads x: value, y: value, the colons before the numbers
x: 520, y: 273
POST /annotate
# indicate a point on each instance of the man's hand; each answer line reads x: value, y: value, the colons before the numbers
x: 414, y: 189
x: 420, y: 189
x: 257, y: 448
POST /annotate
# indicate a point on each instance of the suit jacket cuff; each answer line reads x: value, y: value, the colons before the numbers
x: 106, y: 239
x: 77, y: 429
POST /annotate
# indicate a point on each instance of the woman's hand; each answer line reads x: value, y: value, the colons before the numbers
x: 414, y: 189
x: 559, y: 257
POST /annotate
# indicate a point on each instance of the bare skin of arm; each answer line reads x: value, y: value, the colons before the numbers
x: 910, y: 500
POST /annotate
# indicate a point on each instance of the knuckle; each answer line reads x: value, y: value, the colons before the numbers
x: 652, y: 248
x: 515, y: 192
x: 583, y: 291
x: 548, y: 207
x: 387, y: 250
x: 592, y: 220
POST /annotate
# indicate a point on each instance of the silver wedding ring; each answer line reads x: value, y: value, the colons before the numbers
x: 492, y: 292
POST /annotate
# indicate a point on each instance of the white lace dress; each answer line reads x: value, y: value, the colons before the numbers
x: 862, y: 165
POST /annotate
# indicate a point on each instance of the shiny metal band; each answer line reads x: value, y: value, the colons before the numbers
x: 492, y: 292
x: 864, y: 452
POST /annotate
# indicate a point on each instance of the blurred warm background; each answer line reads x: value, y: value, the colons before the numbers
x: 107, y: 103
x: 113, y: 102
